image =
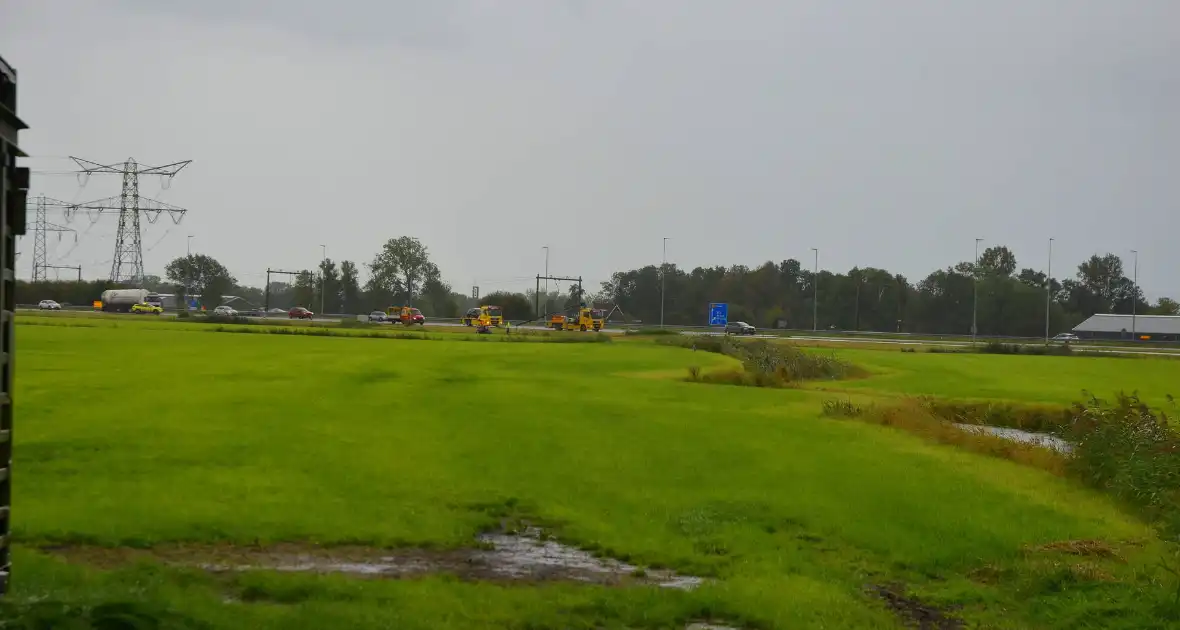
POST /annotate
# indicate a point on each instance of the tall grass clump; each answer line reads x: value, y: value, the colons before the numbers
x: 1130, y: 451
x: 765, y: 364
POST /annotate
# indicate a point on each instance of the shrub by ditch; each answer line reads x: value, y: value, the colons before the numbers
x: 765, y: 364
x: 1130, y: 451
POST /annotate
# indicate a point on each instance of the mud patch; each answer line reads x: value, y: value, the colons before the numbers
x: 529, y: 556
x: 913, y: 612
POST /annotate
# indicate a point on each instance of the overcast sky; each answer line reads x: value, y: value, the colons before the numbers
x: 889, y: 134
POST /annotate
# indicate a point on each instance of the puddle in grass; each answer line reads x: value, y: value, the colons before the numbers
x: 1016, y: 435
x: 529, y: 556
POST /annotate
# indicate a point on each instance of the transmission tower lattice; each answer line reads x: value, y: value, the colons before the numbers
x: 41, y: 227
x: 127, y: 265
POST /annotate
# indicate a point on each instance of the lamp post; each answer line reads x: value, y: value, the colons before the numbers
x: 975, y: 294
x: 663, y: 272
x: 1135, y: 298
x: 1048, y: 290
x: 546, y: 248
x: 815, y: 293
x: 323, y: 257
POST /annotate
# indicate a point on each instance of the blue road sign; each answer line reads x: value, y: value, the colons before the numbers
x: 718, y: 314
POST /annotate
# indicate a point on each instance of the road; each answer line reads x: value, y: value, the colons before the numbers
x: 455, y: 323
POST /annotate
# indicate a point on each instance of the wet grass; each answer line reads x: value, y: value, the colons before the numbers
x: 140, y: 435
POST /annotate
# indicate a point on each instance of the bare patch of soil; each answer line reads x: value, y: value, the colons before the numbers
x: 913, y: 612
x: 530, y: 556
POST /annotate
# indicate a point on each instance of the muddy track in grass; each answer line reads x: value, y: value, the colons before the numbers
x: 528, y: 556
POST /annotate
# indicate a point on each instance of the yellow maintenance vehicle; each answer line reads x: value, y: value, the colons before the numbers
x: 484, y: 316
x: 586, y: 319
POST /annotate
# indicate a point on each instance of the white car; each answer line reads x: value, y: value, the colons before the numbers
x: 377, y: 317
x: 1066, y: 337
x: 225, y: 311
x: 49, y: 305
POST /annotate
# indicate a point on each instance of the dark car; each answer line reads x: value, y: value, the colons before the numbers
x: 739, y: 328
x: 300, y: 313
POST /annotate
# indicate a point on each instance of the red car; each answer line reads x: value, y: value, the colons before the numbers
x: 300, y: 313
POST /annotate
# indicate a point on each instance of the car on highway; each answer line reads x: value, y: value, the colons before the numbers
x: 143, y: 308
x: 1066, y: 338
x: 739, y: 328
x: 300, y: 313
x: 49, y: 305
x: 377, y: 317
x: 226, y: 311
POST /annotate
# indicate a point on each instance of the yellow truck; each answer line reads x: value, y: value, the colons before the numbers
x: 586, y: 319
x: 484, y: 316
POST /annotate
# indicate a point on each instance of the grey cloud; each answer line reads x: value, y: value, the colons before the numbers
x: 887, y: 134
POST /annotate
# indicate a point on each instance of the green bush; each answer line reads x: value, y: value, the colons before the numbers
x: 765, y: 364
x: 1130, y: 451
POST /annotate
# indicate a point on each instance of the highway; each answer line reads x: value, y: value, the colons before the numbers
x: 802, y: 338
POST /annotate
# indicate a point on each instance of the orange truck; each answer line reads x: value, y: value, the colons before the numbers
x: 406, y: 315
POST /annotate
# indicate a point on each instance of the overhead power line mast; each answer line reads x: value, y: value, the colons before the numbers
x: 269, y: 271
x: 41, y: 227
x: 537, y: 291
x: 127, y: 265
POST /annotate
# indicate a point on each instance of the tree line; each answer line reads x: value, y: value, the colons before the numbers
x: 994, y: 292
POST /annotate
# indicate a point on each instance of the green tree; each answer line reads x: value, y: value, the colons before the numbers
x: 350, y: 287
x: 1166, y: 306
x: 438, y: 299
x: 203, y: 275
x: 516, y: 306
x: 402, y: 268
x: 304, y: 290
x: 328, y: 291
x: 997, y: 261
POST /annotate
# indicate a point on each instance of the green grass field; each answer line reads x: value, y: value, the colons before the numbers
x: 141, y: 434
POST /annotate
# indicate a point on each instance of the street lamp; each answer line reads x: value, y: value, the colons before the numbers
x: 663, y: 272
x: 323, y: 257
x: 1048, y: 290
x: 815, y: 293
x: 975, y: 294
x: 1135, y: 297
x: 546, y: 248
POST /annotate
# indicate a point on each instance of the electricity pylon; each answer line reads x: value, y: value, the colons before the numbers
x: 41, y: 227
x: 127, y: 266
